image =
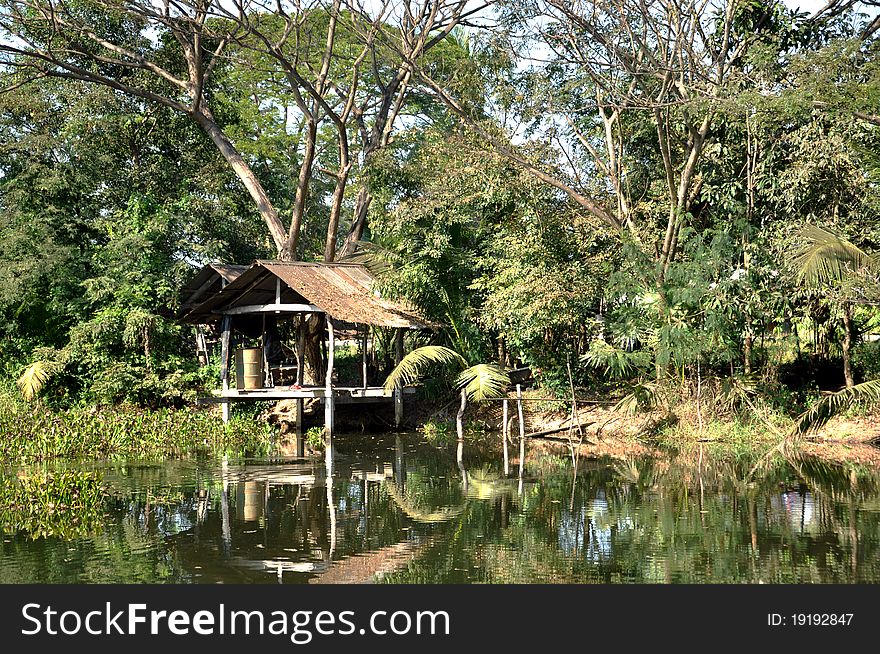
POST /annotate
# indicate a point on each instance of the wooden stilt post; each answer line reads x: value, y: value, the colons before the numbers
x: 364, y: 355
x: 225, y: 338
x: 398, y: 392
x: 522, y: 433
x: 328, y: 395
x: 264, y: 337
x: 300, y: 361
x: 504, y: 436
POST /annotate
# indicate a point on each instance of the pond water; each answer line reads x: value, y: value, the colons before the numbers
x: 396, y: 510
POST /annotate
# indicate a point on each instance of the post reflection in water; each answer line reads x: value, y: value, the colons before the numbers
x: 224, y: 508
x: 398, y: 510
x: 331, y: 506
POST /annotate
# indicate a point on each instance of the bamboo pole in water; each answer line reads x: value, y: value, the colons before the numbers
x: 300, y: 379
x: 504, y: 436
x: 459, y: 427
x: 398, y: 391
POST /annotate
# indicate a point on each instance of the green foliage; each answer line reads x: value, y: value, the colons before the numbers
x: 102, y: 203
x: 866, y: 360
x: 315, y: 438
x: 644, y: 396
x: 108, y: 202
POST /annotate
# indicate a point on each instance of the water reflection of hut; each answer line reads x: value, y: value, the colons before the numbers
x: 250, y: 500
x: 313, y: 301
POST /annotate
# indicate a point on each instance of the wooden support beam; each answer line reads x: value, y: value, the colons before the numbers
x: 266, y: 381
x: 372, y: 396
x: 268, y: 308
x: 201, y: 346
x: 300, y: 360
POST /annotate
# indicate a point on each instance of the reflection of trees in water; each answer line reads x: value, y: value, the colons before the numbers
x: 685, y: 518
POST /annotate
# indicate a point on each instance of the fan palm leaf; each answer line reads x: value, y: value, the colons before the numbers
x: 483, y: 380
x: 414, y: 364
x: 831, y: 405
x: 32, y: 380
x: 826, y: 257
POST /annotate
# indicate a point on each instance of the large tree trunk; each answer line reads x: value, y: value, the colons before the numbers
x: 313, y: 370
x: 289, y: 252
x: 335, y: 211
x: 358, y: 223
x: 244, y: 173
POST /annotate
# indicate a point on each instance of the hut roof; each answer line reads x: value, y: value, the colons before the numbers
x: 344, y: 291
x: 208, y: 281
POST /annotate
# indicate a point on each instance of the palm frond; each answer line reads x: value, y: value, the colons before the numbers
x: 736, y: 391
x: 644, y: 396
x: 831, y: 405
x: 483, y: 380
x: 614, y: 361
x: 826, y: 257
x: 413, y: 365
x: 34, y: 377
x: 378, y: 260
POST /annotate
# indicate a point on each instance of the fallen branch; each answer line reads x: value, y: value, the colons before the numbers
x: 539, y: 434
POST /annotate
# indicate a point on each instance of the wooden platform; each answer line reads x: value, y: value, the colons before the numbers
x: 341, y: 394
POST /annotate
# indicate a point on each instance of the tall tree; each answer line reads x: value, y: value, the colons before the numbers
x: 613, y: 66
x: 162, y: 54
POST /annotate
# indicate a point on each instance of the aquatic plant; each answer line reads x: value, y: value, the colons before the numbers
x: 437, y: 432
x: 68, y: 504
x: 315, y: 437
x: 34, y: 433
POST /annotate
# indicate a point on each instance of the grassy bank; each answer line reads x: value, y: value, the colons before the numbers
x: 33, y: 433
x: 750, y: 428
